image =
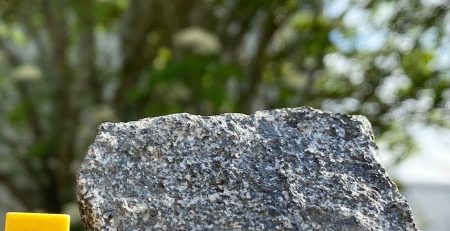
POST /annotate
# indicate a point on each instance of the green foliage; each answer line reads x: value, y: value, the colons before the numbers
x: 38, y: 149
x: 198, y: 78
x: 419, y: 72
x: 17, y: 114
x: 65, y: 66
x: 106, y: 12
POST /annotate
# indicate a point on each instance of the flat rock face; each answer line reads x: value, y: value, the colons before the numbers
x: 285, y: 169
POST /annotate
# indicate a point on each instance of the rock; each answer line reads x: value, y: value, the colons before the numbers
x: 285, y: 169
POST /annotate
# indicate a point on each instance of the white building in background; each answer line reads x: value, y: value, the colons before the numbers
x: 430, y: 204
x: 425, y: 177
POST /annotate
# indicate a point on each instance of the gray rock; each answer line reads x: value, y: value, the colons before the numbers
x: 285, y: 169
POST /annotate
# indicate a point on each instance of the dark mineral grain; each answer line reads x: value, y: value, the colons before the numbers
x: 284, y: 169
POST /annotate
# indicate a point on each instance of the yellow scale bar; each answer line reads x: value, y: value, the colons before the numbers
x: 36, y: 222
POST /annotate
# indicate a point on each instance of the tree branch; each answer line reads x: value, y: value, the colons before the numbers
x: 33, y: 33
x: 12, y: 57
x: 32, y: 115
x: 66, y: 113
x: 136, y: 24
x: 13, y: 145
x: 87, y: 51
x: 256, y: 65
x: 22, y: 196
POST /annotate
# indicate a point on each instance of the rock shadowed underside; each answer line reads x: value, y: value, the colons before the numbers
x: 284, y: 169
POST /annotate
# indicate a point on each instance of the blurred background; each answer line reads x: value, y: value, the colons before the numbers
x: 67, y: 66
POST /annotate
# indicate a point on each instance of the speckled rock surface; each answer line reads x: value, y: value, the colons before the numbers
x: 285, y: 169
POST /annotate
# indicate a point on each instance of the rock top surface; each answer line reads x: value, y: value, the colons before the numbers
x: 284, y: 169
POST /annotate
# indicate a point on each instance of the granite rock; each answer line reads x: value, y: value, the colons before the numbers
x: 284, y: 169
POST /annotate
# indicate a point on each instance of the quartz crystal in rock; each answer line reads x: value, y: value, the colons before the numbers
x: 284, y: 169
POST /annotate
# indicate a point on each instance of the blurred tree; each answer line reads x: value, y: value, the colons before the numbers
x: 68, y: 65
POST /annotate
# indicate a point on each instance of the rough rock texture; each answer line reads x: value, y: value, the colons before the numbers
x: 286, y: 169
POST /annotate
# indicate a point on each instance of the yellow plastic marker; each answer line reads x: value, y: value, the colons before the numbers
x: 36, y: 222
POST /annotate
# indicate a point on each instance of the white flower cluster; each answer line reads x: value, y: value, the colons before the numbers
x: 27, y: 72
x: 198, y: 40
